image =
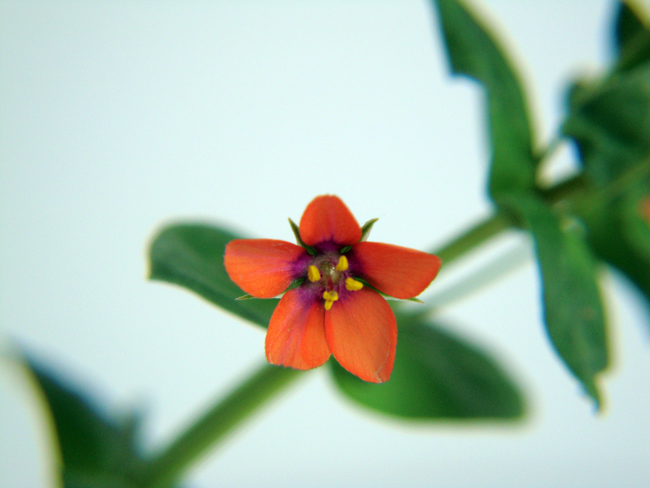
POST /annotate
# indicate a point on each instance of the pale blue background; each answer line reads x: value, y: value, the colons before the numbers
x: 118, y: 116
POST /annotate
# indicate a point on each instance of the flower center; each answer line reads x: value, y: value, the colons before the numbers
x: 328, y: 275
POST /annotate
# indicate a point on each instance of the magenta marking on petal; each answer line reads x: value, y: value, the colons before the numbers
x: 310, y: 292
x: 355, y: 267
x: 328, y: 247
x: 300, y: 265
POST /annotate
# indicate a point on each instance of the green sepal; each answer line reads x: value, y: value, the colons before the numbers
x: 388, y: 297
x: 295, y: 284
x: 246, y: 297
x: 365, y: 232
x: 296, y: 232
x: 366, y: 228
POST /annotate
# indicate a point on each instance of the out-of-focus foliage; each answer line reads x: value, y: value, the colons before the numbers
x: 572, y: 308
x: 609, y: 117
x: 608, y: 236
x: 473, y: 51
x: 96, y: 451
x: 573, y: 311
x: 609, y: 120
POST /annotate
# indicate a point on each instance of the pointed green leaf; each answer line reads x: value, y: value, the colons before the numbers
x: 610, y: 122
x: 191, y: 255
x: 96, y: 451
x: 573, y: 311
x: 437, y: 377
x: 474, y: 51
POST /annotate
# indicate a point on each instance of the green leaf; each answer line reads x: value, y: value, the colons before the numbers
x: 96, y: 451
x: 610, y: 122
x: 631, y: 38
x: 191, y: 255
x: 573, y: 311
x: 636, y: 219
x: 607, y: 237
x: 473, y: 51
x: 627, y: 25
x: 436, y: 376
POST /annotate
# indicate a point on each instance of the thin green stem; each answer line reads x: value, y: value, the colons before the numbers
x: 211, y: 429
x: 473, y: 237
x: 487, y: 274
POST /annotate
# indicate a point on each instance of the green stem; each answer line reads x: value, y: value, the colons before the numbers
x: 473, y: 237
x: 211, y: 429
x: 486, y: 274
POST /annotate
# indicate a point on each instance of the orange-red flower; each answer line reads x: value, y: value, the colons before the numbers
x: 336, y: 308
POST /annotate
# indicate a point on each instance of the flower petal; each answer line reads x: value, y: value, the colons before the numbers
x: 263, y: 268
x: 362, y: 334
x: 396, y: 271
x: 327, y: 218
x: 296, y: 335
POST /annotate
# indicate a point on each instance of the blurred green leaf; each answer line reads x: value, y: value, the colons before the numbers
x: 573, y: 310
x: 610, y: 122
x: 626, y: 26
x: 631, y: 37
x: 636, y: 219
x: 473, y: 51
x: 606, y: 236
x: 436, y: 376
x: 96, y: 451
x: 191, y: 255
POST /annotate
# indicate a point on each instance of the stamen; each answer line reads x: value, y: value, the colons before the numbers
x: 330, y: 297
x: 342, y: 264
x: 353, y: 285
x: 313, y: 274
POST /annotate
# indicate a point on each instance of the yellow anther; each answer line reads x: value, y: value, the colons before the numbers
x: 330, y: 297
x: 342, y: 264
x: 313, y: 274
x: 353, y: 285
